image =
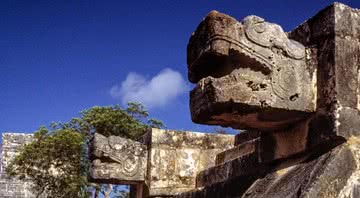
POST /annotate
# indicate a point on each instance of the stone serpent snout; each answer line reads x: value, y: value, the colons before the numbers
x: 251, y: 65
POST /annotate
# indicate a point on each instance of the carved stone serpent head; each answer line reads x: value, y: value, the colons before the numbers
x: 247, y: 72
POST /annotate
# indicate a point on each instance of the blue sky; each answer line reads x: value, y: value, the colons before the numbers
x: 60, y: 57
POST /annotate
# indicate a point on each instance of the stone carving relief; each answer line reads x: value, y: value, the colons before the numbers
x: 116, y: 158
x: 253, y: 65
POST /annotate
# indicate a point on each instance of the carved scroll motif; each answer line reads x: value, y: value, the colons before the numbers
x: 271, y: 35
x: 118, y: 158
x: 268, y: 67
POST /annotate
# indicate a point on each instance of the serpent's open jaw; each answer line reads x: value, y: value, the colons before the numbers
x: 245, y: 74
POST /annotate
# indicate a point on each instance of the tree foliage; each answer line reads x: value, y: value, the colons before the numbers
x: 56, y: 161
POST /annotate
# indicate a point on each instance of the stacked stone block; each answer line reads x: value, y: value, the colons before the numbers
x: 13, y: 188
x: 163, y: 162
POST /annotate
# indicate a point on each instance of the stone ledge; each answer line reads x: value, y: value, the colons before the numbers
x: 237, y: 151
x: 175, y: 158
x: 246, y: 136
x: 245, y: 166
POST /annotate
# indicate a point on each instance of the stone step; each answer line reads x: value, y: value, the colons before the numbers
x: 227, y: 189
x: 237, y: 151
x: 246, y: 136
x: 261, y: 159
x: 244, y: 166
x: 268, y: 184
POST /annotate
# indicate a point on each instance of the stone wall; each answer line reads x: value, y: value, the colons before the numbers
x: 161, y: 163
x: 117, y: 160
x: 175, y: 158
x: 12, y: 188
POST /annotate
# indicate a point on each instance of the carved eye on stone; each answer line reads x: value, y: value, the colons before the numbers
x: 284, y: 83
x: 130, y: 167
x: 271, y: 35
x: 257, y: 33
x: 260, y: 28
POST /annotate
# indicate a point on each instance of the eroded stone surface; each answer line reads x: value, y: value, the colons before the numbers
x: 245, y: 166
x: 11, y: 143
x: 237, y: 151
x: 268, y: 152
x: 352, y: 187
x: 332, y: 175
x: 327, y: 176
x: 13, y: 188
x: 334, y: 34
x: 165, y: 161
x: 176, y: 157
x: 10, y: 188
x: 249, y: 74
x: 245, y: 136
x: 117, y: 160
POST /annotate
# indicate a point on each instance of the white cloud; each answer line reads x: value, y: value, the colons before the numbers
x: 155, y: 92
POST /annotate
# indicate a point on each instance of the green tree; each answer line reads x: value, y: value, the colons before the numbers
x: 56, y: 161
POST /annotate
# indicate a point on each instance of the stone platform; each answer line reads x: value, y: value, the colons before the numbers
x: 164, y: 162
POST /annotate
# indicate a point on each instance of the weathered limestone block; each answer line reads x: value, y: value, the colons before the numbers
x: 332, y: 175
x: 117, y: 160
x: 334, y: 34
x: 228, y: 189
x: 237, y: 151
x: 13, y: 188
x: 244, y: 166
x: 266, y: 152
x: 245, y: 136
x: 175, y: 158
x: 298, y: 141
x: 11, y: 143
x: 249, y: 74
